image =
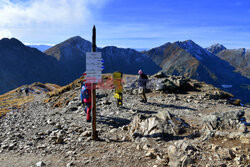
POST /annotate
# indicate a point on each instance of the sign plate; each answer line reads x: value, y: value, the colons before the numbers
x: 94, y: 67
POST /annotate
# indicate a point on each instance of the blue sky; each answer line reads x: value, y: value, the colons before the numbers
x: 128, y: 23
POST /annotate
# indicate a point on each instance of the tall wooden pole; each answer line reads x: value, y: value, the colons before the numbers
x: 93, y: 92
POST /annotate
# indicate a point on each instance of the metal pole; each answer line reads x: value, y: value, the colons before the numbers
x: 93, y: 92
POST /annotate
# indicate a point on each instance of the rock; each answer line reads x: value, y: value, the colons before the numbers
x: 242, y: 128
x: 164, y: 115
x: 61, y: 134
x: 40, y: 163
x: 151, y: 155
x: 236, y: 102
x: 211, y: 121
x: 174, y: 156
x: 184, y: 145
x: 159, y: 75
x: 50, y: 122
x: 86, y: 134
x: 152, y: 126
x: 239, y: 159
x: 231, y: 153
x: 125, y: 127
x: 160, y: 86
x: 227, y: 154
x: 215, y: 148
x: 4, y: 146
x: 186, y: 160
x: 170, y: 86
x: 178, y: 154
x: 11, y: 146
x: 125, y: 138
x: 80, y: 139
x: 138, y: 147
x: 71, y: 109
x: 113, y: 130
x: 146, y: 147
x: 106, y: 102
x: 245, y: 140
x: 236, y: 149
x: 59, y: 140
x: 220, y: 134
x: 69, y: 164
x: 58, y: 126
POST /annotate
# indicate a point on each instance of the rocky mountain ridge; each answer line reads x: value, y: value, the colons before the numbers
x: 115, y: 59
x: 191, y: 60
x: 180, y: 58
x: 216, y: 48
x: 63, y: 63
x: 238, y: 58
x: 20, y: 65
x: 184, y: 123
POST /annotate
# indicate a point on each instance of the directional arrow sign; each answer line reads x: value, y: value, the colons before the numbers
x: 93, y: 68
x: 94, y: 63
x: 95, y: 60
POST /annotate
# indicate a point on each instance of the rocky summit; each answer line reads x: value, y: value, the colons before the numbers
x: 184, y: 123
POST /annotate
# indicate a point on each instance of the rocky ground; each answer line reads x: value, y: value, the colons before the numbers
x: 197, y: 127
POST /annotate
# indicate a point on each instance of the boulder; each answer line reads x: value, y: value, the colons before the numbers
x: 160, y: 75
x: 223, y: 120
x: 40, y: 163
x: 147, y: 126
x: 180, y: 155
x: 161, y: 125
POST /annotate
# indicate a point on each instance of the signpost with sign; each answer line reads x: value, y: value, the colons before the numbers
x: 94, y: 67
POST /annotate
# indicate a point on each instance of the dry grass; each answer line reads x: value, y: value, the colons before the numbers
x: 15, y: 99
x: 9, y: 102
x: 61, y: 90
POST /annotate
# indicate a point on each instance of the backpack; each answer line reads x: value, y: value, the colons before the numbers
x: 84, y: 93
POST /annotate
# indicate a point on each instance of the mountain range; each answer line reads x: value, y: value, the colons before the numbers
x: 238, y: 58
x: 64, y: 62
x: 191, y: 60
x: 20, y: 64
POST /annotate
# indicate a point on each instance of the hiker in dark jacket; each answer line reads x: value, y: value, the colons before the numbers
x: 86, y: 99
x: 142, y: 82
x: 27, y: 91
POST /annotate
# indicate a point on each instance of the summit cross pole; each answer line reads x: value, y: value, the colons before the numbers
x: 93, y: 92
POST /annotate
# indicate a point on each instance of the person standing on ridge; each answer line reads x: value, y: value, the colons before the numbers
x: 142, y: 82
x: 27, y: 91
x: 86, y: 98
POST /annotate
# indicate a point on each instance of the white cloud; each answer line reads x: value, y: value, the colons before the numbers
x: 48, y: 44
x: 39, y: 18
x: 5, y: 34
